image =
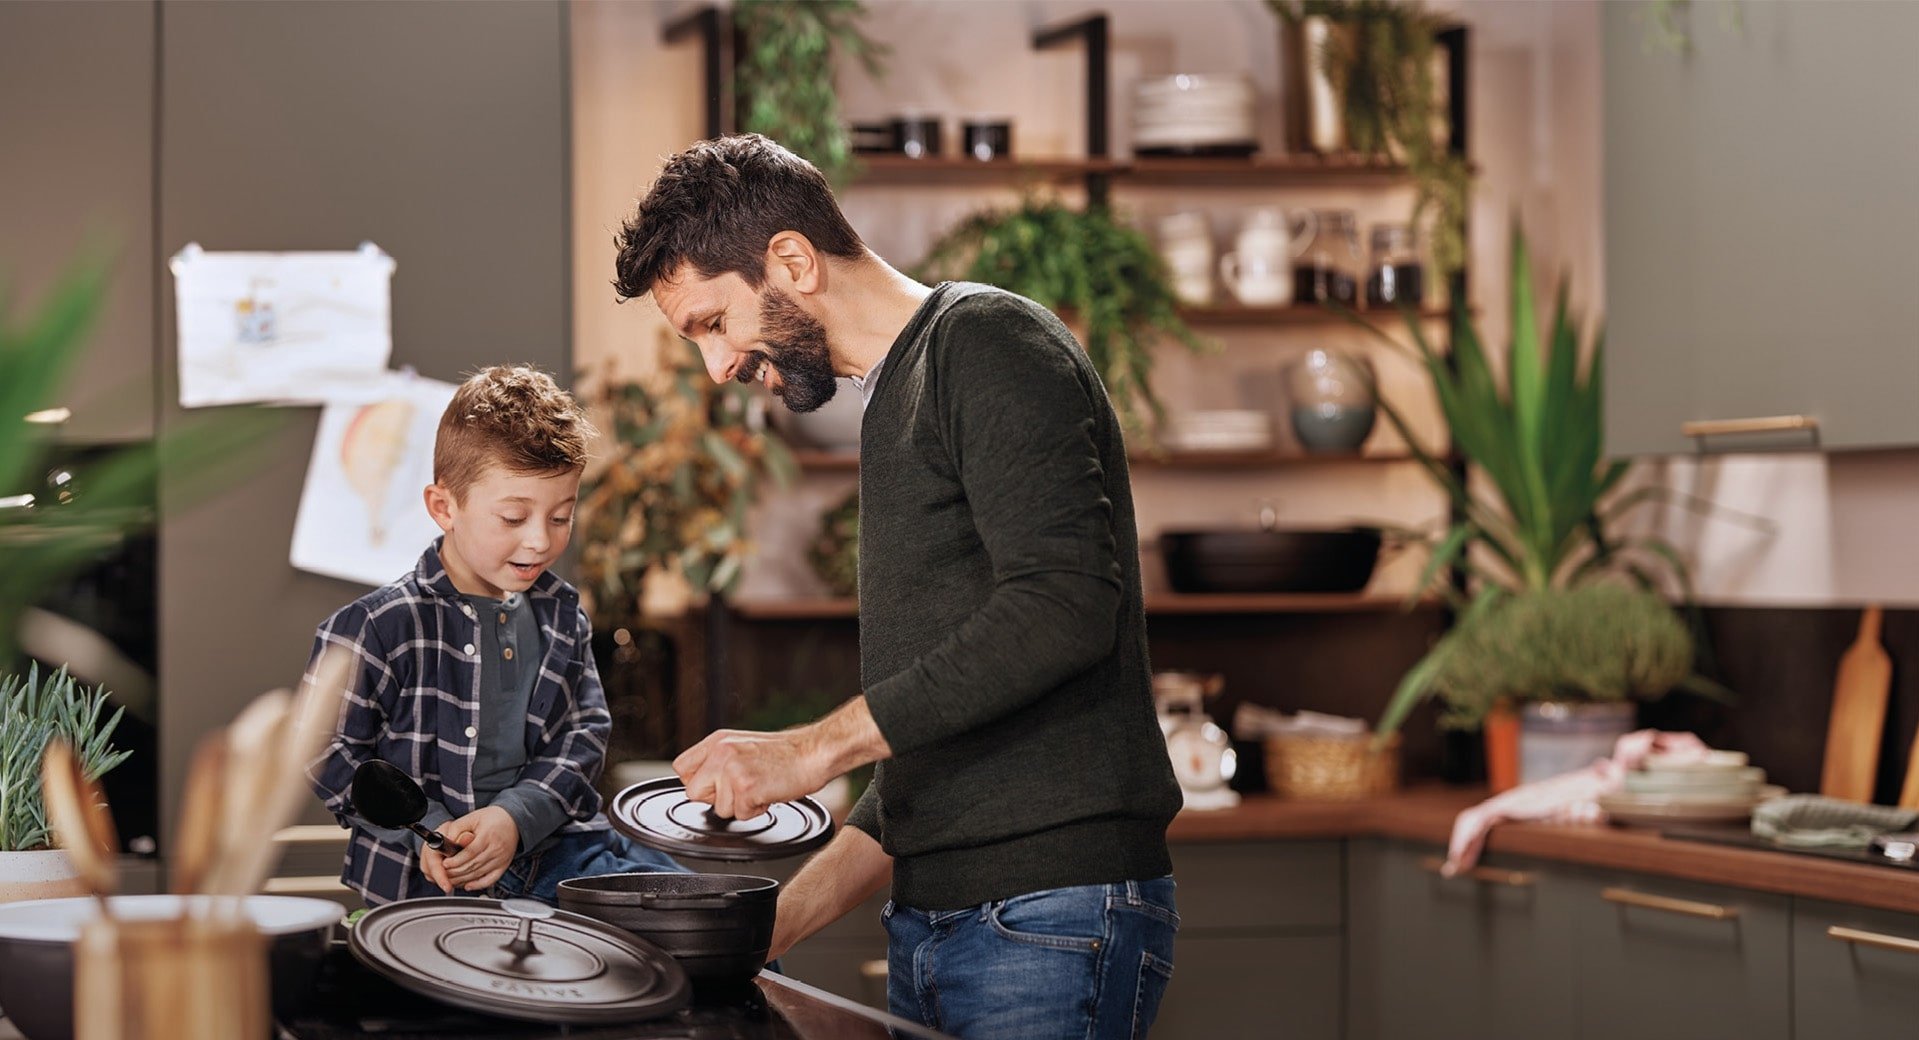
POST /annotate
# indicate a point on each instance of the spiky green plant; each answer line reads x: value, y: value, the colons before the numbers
x: 1086, y: 264
x: 784, y: 79
x: 1602, y: 641
x: 32, y: 713
x: 1546, y: 513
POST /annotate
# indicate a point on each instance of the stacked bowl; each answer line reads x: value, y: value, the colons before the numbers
x: 1685, y: 788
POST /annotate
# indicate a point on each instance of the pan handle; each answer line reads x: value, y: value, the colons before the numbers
x: 701, y: 901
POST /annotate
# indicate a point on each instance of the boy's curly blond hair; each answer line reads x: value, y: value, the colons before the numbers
x: 512, y: 416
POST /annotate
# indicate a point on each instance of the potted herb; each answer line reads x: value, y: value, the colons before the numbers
x: 1560, y: 672
x: 784, y: 80
x: 1090, y: 267
x: 33, y: 712
x: 1547, y: 515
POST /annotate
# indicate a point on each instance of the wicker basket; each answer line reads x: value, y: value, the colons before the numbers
x: 1331, y: 769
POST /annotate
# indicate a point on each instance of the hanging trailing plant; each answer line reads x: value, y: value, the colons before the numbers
x: 783, y: 80
x: 1102, y: 273
x: 1381, y: 62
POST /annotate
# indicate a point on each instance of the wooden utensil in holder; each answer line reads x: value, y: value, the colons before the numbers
x: 202, y: 976
x: 1860, y: 690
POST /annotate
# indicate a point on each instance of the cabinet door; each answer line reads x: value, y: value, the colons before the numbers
x: 1657, y: 958
x: 1260, y: 947
x: 1759, y: 224
x: 1483, y: 956
x: 1855, y: 972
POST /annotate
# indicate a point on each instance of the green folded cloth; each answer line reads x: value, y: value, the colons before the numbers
x: 1809, y: 821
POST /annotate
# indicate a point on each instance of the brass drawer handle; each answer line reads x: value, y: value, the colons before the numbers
x: 1761, y: 424
x: 1883, y: 942
x: 1686, y: 907
x: 1489, y: 875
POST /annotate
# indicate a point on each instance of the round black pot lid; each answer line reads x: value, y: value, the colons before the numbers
x: 519, y: 958
x: 658, y: 814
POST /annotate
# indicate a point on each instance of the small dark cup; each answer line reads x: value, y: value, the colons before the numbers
x: 988, y: 139
x: 917, y: 137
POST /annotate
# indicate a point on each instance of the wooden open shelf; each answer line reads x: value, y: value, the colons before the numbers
x: 827, y: 461
x: 898, y: 170
x: 1295, y: 314
x: 1165, y: 603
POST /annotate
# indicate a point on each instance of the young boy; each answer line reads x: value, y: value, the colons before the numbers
x: 474, y: 673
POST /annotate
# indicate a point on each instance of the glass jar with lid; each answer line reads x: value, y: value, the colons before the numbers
x: 1328, y: 269
x: 1394, y: 277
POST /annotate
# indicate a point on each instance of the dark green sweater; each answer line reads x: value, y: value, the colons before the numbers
x: 1002, y: 634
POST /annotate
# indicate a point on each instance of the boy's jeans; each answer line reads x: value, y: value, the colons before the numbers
x: 537, y: 874
x: 1090, y: 961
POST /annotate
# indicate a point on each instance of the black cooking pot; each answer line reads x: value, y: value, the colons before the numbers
x: 718, y: 926
x: 1337, y: 560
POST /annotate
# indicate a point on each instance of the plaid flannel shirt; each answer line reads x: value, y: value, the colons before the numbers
x: 414, y: 701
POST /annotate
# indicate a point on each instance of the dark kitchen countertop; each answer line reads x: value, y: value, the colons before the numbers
x: 352, y: 1003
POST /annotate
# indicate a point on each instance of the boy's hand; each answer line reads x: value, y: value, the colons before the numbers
x: 491, y: 838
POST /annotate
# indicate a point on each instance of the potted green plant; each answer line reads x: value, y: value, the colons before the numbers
x: 33, y: 712
x: 835, y: 551
x: 1095, y: 270
x: 1545, y: 513
x: 1569, y: 665
x: 784, y: 79
x: 663, y: 519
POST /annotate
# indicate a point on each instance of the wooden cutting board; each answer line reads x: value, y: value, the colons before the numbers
x: 1859, y: 692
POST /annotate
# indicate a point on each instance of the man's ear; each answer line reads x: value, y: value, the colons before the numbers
x: 440, y: 504
x: 794, y: 263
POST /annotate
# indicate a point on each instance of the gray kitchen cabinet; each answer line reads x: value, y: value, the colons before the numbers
x: 1855, y: 971
x: 1760, y: 219
x: 1487, y: 955
x: 1261, y: 941
x: 1658, y: 958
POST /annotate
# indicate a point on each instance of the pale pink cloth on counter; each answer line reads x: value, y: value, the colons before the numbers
x: 1567, y: 798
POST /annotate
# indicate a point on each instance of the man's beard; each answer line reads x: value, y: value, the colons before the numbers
x: 796, y: 348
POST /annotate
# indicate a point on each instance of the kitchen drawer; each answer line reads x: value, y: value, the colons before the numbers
x: 1847, y: 985
x: 1252, y: 986
x: 1658, y: 958
x: 1255, y: 885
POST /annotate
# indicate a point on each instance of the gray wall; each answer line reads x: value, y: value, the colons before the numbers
x: 437, y: 130
x: 76, y: 166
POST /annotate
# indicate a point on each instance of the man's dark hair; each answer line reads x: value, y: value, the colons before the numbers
x: 717, y: 204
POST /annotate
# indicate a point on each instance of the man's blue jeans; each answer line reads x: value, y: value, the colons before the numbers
x: 1090, y: 961
x: 537, y: 874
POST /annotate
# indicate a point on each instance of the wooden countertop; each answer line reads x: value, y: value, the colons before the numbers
x: 1426, y: 815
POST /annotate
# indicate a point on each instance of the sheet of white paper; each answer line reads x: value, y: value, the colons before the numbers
x: 361, y: 516
x: 284, y: 328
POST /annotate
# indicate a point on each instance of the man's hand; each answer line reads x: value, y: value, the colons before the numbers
x: 491, y: 838
x: 740, y: 773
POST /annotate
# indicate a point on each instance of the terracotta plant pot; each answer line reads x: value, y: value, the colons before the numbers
x: 40, y: 874
x: 1502, y: 749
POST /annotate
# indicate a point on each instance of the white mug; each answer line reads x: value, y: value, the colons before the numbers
x: 1186, y: 245
x: 1259, y: 270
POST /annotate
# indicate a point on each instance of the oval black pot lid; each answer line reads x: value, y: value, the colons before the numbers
x: 519, y: 959
x: 658, y: 814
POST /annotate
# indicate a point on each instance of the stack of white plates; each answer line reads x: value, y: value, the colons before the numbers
x: 1193, y: 113
x: 1222, y: 430
x: 1686, y: 788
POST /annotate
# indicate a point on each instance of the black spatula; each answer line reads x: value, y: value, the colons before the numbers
x: 385, y: 796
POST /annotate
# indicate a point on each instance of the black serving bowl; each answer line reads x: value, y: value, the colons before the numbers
x: 37, y: 939
x: 718, y: 926
x: 1335, y: 560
